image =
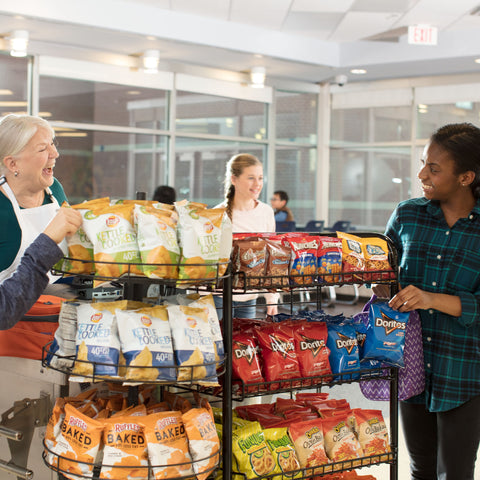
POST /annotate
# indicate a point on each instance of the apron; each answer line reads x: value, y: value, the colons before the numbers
x: 32, y: 222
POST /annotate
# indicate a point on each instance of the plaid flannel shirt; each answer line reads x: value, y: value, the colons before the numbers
x: 436, y: 258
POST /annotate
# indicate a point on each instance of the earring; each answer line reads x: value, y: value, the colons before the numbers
x: 16, y: 173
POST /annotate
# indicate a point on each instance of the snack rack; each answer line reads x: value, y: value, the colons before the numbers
x: 297, y: 283
x: 134, y: 287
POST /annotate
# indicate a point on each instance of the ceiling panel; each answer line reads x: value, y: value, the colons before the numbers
x: 318, y: 25
x: 396, y: 6
x: 208, y: 8
x: 358, y: 25
x: 268, y: 14
x: 322, y: 6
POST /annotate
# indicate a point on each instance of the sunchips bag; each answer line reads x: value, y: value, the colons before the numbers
x: 115, y: 246
x: 80, y: 248
x: 146, y: 343
x: 157, y: 241
x: 199, y: 231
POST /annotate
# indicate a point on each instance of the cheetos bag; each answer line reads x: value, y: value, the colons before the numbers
x: 411, y: 377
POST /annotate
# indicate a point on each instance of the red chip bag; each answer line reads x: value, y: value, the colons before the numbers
x: 303, y: 267
x: 245, y: 358
x: 311, y: 347
x: 278, y: 352
x: 329, y: 259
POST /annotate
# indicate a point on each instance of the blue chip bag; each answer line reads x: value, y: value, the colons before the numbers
x: 385, y: 336
x: 342, y: 342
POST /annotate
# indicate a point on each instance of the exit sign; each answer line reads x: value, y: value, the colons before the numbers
x: 422, y: 35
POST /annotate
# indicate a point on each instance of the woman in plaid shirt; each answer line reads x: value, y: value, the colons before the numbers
x: 438, y: 242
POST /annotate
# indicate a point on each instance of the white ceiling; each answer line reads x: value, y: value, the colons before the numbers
x: 296, y: 40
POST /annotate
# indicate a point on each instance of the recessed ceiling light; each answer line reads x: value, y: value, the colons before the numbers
x: 134, y: 92
x: 5, y: 91
x: 358, y: 71
x: 477, y: 60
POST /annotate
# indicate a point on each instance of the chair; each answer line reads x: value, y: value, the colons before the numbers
x: 341, y: 226
x: 315, y: 226
x: 285, y: 226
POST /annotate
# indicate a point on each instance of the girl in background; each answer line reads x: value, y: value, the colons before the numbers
x: 243, y: 185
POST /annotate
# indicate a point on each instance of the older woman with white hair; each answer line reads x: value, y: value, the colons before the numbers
x: 30, y: 195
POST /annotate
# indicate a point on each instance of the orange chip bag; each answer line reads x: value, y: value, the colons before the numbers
x: 115, y: 246
x: 340, y: 441
x: 124, y: 445
x: 202, y: 440
x: 307, y: 437
x: 77, y: 444
x: 353, y: 259
x: 167, y: 445
x: 371, y: 432
x: 157, y: 241
x: 375, y: 251
x: 53, y: 429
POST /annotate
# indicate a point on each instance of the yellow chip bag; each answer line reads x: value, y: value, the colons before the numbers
x: 77, y: 444
x: 199, y: 232
x: 193, y: 344
x: 124, y: 446
x: 167, y: 445
x: 147, y: 344
x: 157, y: 241
x: 203, y: 441
x: 251, y: 452
x: 283, y: 451
x: 80, y: 248
x: 115, y: 246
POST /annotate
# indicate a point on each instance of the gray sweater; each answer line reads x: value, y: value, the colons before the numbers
x: 19, y: 292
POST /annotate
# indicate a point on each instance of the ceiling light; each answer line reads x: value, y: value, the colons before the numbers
x: 358, y: 71
x: 257, y: 77
x: 18, y: 43
x: 151, y: 59
x: 477, y: 60
x: 5, y: 91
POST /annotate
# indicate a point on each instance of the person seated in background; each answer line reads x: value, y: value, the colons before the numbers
x: 165, y: 194
x: 279, y: 204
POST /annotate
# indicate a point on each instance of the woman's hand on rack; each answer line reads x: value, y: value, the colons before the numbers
x: 66, y: 222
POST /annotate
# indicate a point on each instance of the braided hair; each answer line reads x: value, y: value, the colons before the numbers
x: 235, y: 167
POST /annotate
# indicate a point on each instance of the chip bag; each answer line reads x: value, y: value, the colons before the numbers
x: 307, y: 437
x: 77, y: 444
x: 353, y: 259
x: 157, y: 241
x: 124, y: 446
x: 147, y: 344
x: 375, y: 251
x: 251, y: 452
x: 199, y: 233
x: 115, y: 246
x: 203, y: 441
x: 372, y: 432
x: 167, y: 445
x: 303, y: 266
x: 193, y: 344
x: 283, y: 451
x: 329, y: 259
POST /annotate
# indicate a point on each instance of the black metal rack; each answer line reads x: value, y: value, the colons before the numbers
x: 292, y: 283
